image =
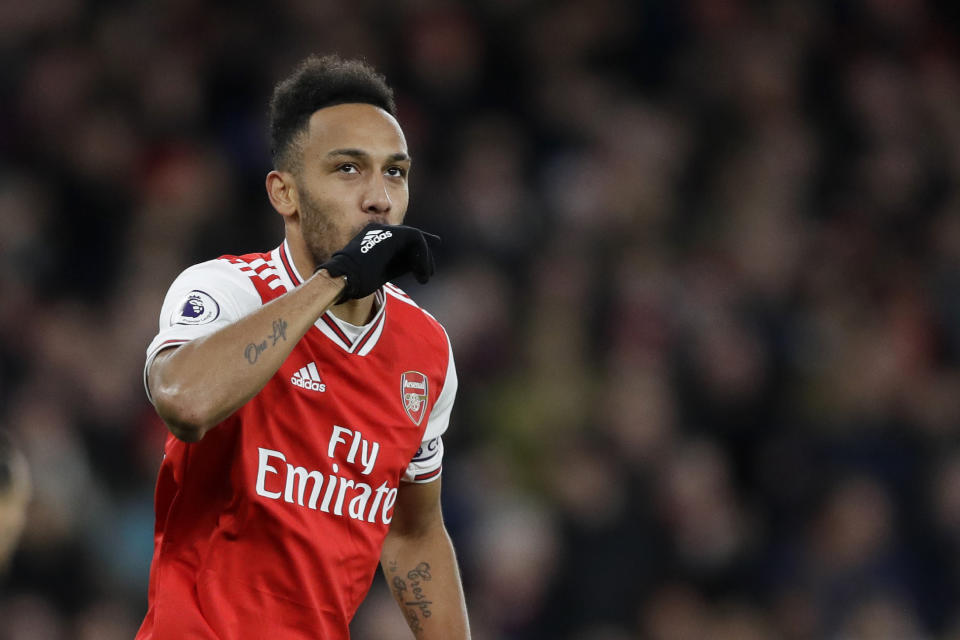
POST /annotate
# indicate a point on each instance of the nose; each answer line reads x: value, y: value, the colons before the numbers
x: 376, y: 200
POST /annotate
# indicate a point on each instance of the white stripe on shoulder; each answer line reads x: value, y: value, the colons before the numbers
x: 399, y: 295
x: 221, y: 278
x: 397, y: 290
x: 238, y: 264
x: 268, y: 272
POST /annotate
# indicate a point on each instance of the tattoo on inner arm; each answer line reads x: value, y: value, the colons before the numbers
x: 254, y: 349
x: 279, y: 330
x: 410, y: 594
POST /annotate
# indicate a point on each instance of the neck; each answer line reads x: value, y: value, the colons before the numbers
x: 356, y: 312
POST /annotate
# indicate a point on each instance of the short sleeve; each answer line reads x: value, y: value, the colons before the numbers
x: 426, y: 464
x: 203, y: 299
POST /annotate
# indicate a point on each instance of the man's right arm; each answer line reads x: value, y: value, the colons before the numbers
x: 196, y: 386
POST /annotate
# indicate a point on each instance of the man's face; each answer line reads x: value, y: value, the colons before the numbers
x: 353, y: 171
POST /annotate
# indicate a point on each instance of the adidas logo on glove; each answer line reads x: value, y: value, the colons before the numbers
x: 372, y: 239
x: 367, y: 267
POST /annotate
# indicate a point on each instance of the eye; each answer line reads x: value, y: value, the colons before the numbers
x: 348, y: 167
x: 397, y: 172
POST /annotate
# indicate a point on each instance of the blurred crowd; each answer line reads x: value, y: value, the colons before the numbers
x: 701, y: 271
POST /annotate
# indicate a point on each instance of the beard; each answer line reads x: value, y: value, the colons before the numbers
x: 320, y: 234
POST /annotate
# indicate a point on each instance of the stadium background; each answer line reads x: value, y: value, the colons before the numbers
x: 701, y: 267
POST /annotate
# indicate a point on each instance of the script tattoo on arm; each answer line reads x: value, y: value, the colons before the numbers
x: 279, y: 330
x: 254, y: 349
x: 410, y: 594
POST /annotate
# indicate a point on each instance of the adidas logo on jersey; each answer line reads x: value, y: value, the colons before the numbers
x: 308, y: 378
x: 372, y: 239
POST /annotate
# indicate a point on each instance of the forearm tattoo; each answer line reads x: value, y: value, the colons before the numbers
x: 254, y: 349
x: 410, y: 592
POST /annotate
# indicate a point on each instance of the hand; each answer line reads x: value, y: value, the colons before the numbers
x: 380, y: 253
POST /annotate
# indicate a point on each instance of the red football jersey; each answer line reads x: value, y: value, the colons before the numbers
x: 272, y: 525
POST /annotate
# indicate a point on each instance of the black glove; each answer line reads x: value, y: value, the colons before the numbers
x: 380, y: 253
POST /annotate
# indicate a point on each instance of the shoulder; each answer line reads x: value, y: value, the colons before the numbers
x: 416, y: 314
x: 233, y: 271
x: 226, y: 266
x: 219, y: 283
x: 219, y: 274
x: 262, y: 269
x: 216, y: 273
x: 255, y: 261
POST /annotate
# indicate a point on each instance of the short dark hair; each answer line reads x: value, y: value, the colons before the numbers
x: 319, y: 82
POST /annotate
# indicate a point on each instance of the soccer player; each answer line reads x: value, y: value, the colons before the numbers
x: 306, y: 396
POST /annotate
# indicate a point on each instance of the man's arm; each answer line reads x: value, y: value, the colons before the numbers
x: 421, y: 568
x: 197, y: 385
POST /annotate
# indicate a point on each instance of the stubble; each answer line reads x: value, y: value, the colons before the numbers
x: 321, y: 233
x: 318, y: 229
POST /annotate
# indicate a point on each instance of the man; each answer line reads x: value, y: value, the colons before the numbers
x: 15, y: 490
x: 306, y: 396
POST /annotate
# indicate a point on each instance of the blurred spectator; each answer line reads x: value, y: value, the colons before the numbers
x: 15, y: 490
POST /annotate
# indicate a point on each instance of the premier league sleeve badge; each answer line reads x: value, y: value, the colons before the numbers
x: 197, y: 308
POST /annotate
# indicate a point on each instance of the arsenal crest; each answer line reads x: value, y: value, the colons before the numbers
x: 413, y: 391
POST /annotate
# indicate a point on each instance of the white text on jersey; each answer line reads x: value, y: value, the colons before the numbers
x: 368, y: 454
x: 362, y: 501
x: 308, y: 378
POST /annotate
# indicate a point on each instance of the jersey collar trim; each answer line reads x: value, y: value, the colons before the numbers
x: 332, y: 327
x: 290, y: 269
x: 328, y: 324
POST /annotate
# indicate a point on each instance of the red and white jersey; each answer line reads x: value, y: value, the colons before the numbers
x: 272, y: 525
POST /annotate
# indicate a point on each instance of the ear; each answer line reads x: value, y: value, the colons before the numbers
x: 283, y: 194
